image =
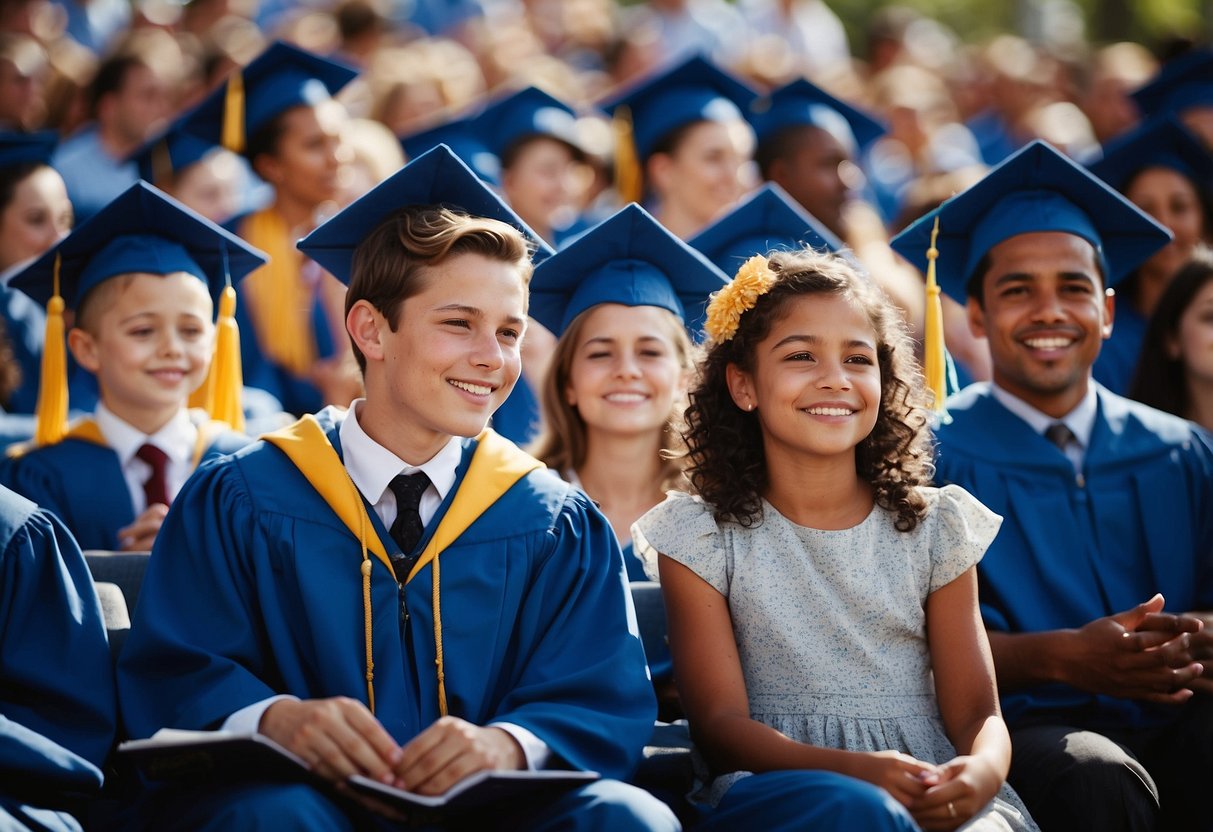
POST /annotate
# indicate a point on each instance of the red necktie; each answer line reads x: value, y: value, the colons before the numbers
x: 156, y: 486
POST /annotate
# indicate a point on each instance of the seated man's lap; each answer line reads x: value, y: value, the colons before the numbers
x: 1074, y: 779
x: 1131, y: 778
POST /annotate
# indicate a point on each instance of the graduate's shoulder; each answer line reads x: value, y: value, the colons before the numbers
x: 539, y: 502
x: 1142, y: 424
x: 50, y: 466
x: 15, y: 513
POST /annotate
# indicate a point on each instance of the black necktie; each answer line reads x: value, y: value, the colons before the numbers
x: 1060, y: 435
x: 407, y: 527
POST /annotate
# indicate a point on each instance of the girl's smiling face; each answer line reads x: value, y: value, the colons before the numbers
x: 815, y: 386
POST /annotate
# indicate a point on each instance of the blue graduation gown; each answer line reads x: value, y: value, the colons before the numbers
x: 82, y: 483
x: 1072, y: 549
x: 57, y: 702
x: 254, y: 589
x: 1117, y: 361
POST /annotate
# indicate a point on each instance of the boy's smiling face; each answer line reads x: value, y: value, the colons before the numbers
x: 452, y: 359
x: 148, y: 339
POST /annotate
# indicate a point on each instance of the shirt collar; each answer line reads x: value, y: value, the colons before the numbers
x: 176, y: 438
x: 1080, y: 420
x: 372, y: 466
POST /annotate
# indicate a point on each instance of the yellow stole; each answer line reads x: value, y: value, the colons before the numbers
x: 497, y: 464
x: 278, y: 300
x: 85, y: 429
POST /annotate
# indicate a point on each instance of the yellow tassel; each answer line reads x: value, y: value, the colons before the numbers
x: 225, y: 381
x: 934, y: 362
x: 233, y: 113
x: 629, y: 179
x: 51, y: 424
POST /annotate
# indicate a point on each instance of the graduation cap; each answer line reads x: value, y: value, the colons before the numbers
x: 800, y: 103
x: 23, y: 148
x: 766, y: 220
x: 168, y: 154
x: 1182, y: 83
x: 1035, y: 189
x: 526, y: 114
x: 142, y: 230
x: 1160, y: 143
x: 280, y: 78
x: 631, y: 259
x: 148, y: 232
x: 437, y: 177
x: 695, y: 90
x: 461, y: 137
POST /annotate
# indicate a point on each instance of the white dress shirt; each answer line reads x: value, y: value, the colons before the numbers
x: 178, y: 439
x: 372, y: 466
x: 1080, y: 420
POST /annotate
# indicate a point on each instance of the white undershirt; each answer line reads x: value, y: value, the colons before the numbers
x: 178, y: 439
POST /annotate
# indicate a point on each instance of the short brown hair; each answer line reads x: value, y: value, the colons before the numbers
x: 390, y: 263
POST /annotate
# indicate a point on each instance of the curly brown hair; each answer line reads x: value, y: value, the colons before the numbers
x: 727, y: 463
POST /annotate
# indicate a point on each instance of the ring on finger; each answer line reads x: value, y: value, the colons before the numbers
x: 951, y: 809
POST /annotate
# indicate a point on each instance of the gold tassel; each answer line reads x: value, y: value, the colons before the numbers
x: 51, y: 421
x: 233, y: 113
x: 225, y: 381
x: 436, y: 599
x: 934, y: 362
x: 629, y: 178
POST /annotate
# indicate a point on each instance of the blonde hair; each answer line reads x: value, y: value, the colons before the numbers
x: 563, y: 443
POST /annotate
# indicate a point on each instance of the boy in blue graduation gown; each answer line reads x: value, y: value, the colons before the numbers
x: 57, y: 704
x: 143, y: 276
x: 1107, y: 506
x: 416, y: 630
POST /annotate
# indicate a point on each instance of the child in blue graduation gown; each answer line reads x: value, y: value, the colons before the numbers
x: 822, y: 597
x: 143, y: 276
x: 484, y: 625
x: 57, y: 706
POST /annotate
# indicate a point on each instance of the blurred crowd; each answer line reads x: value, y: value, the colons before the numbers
x: 108, y: 76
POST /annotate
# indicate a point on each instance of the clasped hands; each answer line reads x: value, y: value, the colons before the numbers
x: 940, y: 797
x: 1143, y: 653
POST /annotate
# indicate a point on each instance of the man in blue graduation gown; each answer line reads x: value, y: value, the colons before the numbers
x: 1097, y: 586
x: 393, y: 590
x: 57, y: 705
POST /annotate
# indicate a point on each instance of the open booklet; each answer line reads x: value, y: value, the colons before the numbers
x: 202, y: 756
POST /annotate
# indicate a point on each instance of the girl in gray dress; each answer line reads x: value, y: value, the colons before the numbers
x: 822, y: 598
